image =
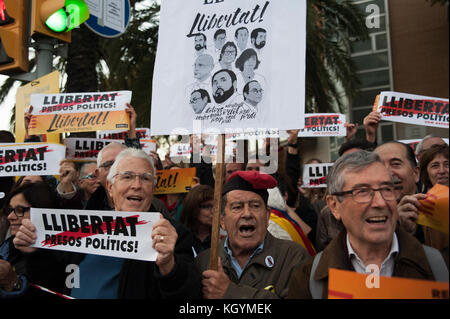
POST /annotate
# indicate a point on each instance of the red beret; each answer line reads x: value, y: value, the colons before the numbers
x: 252, y: 181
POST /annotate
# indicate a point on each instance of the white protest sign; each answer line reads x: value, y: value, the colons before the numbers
x: 230, y: 65
x: 148, y: 146
x: 30, y: 159
x: 413, y: 109
x: 106, y: 233
x: 79, y: 112
x: 324, y: 124
x: 141, y: 133
x: 315, y: 175
x: 84, y: 149
x: 180, y: 149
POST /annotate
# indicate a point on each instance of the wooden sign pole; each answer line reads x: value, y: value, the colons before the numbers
x: 220, y: 163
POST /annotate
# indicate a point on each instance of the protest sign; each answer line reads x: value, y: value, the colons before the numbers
x: 180, y: 150
x: 30, y: 159
x: 315, y: 175
x: 413, y: 109
x: 171, y: 181
x: 229, y: 65
x: 433, y: 211
x: 323, y: 124
x: 141, y: 133
x: 343, y: 284
x: 106, y: 233
x: 148, y: 146
x: 84, y: 149
x: 79, y: 112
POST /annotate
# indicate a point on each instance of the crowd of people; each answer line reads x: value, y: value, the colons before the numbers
x: 278, y: 239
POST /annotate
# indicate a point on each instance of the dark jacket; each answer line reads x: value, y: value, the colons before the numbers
x: 411, y: 262
x: 263, y: 277
x: 137, y: 279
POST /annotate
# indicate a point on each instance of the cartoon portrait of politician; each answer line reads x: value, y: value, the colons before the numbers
x: 203, y: 67
x: 199, y: 99
x: 224, y: 86
x: 200, y: 43
x: 253, y: 94
x: 241, y: 37
x: 220, y: 37
x: 258, y: 39
x: 227, y: 56
x: 247, y: 63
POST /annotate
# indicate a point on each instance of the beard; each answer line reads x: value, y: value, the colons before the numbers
x: 260, y: 45
x: 221, y: 95
x: 198, y: 47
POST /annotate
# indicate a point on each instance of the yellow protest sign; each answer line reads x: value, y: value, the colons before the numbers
x: 433, y: 211
x: 47, y: 84
x: 79, y: 112
x: 345, y: 284
x: 171, y: 181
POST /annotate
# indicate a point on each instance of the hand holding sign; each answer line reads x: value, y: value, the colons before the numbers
x: 434, y: 209
x: 164, y: 238
x: 25, y: 237
x: 371, y: 123
x: 408, y: 211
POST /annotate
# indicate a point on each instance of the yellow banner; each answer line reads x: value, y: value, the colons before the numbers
x: 78, y: 122
x: 433, y: 211
x: 344, y: 284
x: 171, y: 181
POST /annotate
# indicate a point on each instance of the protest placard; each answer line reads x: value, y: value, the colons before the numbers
x: 148, y: 146
x: 84, y: 149
x: 343, y: 284
x: 229, y: 65
x: 30, y: 159
x: 107, y: 233
x: 171, y: 181
x: 79, y: 112
x: 433, y: 211
x: 141, y: 133
x: 413, y: 109
x: 323, y: 124
x: 315, y: 175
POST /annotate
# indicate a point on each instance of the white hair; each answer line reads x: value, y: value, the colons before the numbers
x: 112, y: 144
x: 126, y: 153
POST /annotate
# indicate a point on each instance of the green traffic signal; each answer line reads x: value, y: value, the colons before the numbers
x: 74, y: 13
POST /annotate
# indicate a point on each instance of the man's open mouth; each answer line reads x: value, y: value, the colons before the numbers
x: 377, y: 220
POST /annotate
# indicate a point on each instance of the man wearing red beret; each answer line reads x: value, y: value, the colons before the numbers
x: 253, y: 263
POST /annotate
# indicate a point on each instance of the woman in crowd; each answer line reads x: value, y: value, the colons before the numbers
x: 197, y: 215
x: 13, y: 270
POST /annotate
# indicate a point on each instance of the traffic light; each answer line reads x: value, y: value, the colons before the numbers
x: 56, y: 18
x: 13, y: 36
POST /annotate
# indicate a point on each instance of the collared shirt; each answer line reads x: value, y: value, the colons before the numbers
x: 387, y: 267
x: 234, y: 262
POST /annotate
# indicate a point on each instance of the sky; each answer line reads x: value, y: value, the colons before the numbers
x: 6, y: 107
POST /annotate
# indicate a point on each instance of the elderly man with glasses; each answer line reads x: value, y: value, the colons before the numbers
x: 362, y: 196
x: 131, y: 181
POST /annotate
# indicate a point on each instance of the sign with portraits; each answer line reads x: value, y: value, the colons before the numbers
x: 229, y: 65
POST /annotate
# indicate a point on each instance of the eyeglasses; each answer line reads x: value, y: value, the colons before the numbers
x: 229, y: 52
x: 130, y: 177
x: 256, y: 91
x: 254, y: 206
x: 206, y: 206
x: 89, y: 176
x: 106, y: 165
x: 19, y: 211
x: 365, y: 195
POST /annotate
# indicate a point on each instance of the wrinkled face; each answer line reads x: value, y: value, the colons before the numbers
x: 223, y: 87
x: 132, y: 194
x: 254, y: 95
x: 231, y: 168
x: 89, y: 185
x: 199, y: 42
x: 245, y: 220
x: 394, y: 158
x: 437, y: 170
x: 205, y: 214
x: 20, y: 204
x: 370, y: 223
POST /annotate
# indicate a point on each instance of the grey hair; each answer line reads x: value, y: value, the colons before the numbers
x: 352, y: 162
x: 100, y: 154
x: 84, y: 166
x: 130, y: 152
x: 420, y: 144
